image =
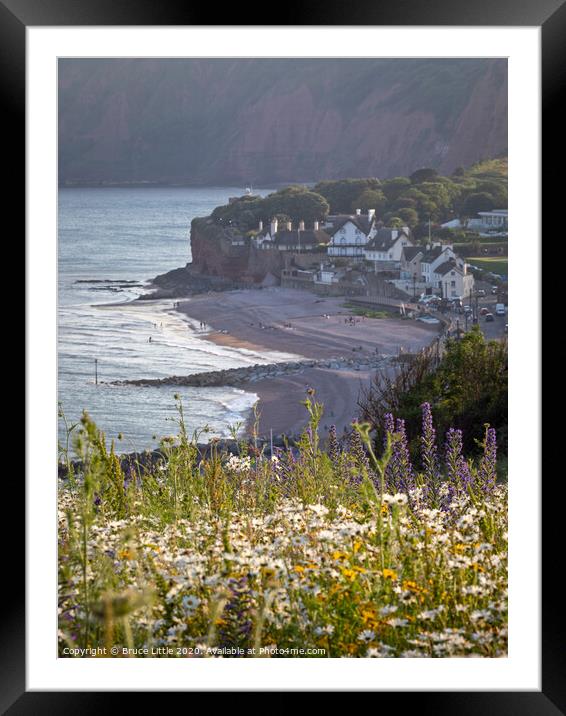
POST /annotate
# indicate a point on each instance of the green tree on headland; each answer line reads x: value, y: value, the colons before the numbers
x: 425, y: 196
x: 292, y: 203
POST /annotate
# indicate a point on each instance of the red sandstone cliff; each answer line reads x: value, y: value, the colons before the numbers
x: 257, y: 121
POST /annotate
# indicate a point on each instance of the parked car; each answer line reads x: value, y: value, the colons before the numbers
x: 489, y: 317
x: 500, y: 309
x: 481, y: 292
x: 428, y: 319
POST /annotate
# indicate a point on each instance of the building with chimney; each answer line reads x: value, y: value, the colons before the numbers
x: 283, y: 237
x: 385, y: 249
x: 349, y: 234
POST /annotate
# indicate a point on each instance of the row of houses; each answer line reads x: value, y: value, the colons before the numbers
x: 435, y: 268
x: 361, y: 239
x: 358, y: 237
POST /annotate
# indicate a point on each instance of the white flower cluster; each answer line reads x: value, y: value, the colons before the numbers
x: 239, y: 464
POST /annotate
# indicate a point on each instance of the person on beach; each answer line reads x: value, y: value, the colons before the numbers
x: 149, y: 340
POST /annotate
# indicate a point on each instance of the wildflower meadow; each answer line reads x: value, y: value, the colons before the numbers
x: 328, y: 548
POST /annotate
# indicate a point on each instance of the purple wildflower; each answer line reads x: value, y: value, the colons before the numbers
x: 458, y: 471
x: 236, y: 627
x: 389, y: 427
x: 399, y: 471
x: 333, y: 445
x: 358, y: 457
x: 406, y: 478
x: 487, y: 471
x: 429, y: 455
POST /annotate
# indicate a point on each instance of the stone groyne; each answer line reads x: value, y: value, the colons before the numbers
x: 253, y: 373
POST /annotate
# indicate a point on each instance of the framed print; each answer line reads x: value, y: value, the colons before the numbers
x: 268, y: 408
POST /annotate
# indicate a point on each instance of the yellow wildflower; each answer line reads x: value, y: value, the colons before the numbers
x: 339, y: 555
x: 125, y: 554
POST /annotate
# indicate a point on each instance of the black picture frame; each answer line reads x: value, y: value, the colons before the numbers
x: 15, y: 16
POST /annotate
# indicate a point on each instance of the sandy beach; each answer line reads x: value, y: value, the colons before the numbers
x: 303, y: 324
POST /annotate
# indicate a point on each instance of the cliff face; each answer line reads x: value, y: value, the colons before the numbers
x: 214, y: 255
x: 242, y: 121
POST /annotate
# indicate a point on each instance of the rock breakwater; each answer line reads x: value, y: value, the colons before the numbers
x: 251, y: 374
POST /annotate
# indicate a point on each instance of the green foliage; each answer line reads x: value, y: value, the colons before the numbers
x: 344, y: 193
x: 393, y: 188
x: 293, y: 203
x: 496, y: 264
x: 227, y: 554
x: 368, y: 312
x: 478, y: 201
x: 422, y: 175
x: 467, y: 389
x: 424, y: 195
x: 409, y: 217
x: 400, y: 201
x: 370, y: 199
x: 395, y: 222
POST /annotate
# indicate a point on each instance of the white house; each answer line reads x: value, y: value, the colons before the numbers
x: 452, y: 279
x: 433, y: 257
x: 410, y: 265
x: 301, y: 240
x: 349, y: 234
x: 265, y: 238
x: 286, y: 239
x: 385, y: 249
x: 490, y: 221
x: 446, y: 273
x: 487, y: 223
x: 433, y: 269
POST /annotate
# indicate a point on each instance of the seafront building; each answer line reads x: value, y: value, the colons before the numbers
x: 340, y: 255
x: 487, y: 223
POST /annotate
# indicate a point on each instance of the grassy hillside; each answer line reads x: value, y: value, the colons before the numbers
x: 336, y: 552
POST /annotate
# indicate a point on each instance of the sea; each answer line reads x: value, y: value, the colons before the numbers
x: 111, y: 242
